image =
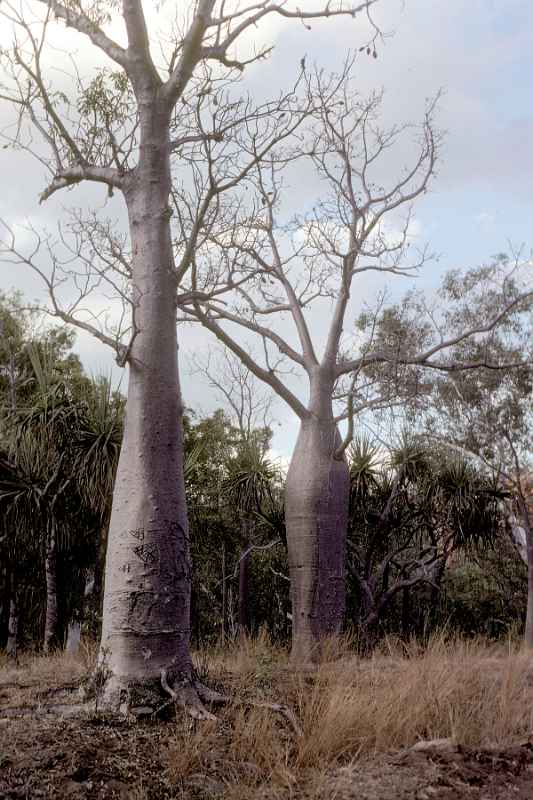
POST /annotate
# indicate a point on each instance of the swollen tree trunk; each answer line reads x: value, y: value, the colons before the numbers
x: 316, y: 514
x: 145, y: 625
x: 50, y: 625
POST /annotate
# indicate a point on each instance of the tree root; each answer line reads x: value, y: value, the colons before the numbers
x: 184, y: 691
x: 185, y: 694
x: 278, y: 708
x: 192, y: 694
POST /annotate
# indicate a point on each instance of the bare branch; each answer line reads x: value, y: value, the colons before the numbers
x: 83, y: 24
x: 74, y: 175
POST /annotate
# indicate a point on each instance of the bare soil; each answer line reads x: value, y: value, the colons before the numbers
x: 49, y: 749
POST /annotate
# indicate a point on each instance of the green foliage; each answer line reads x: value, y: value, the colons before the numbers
x: 411, y: 511
x: 426, y: 541
x: 106, y: 105
x: 60, y: 438
x: 250, y: 477
x: 96, y: 444
x: 234, y: 499
x: 485, y: 594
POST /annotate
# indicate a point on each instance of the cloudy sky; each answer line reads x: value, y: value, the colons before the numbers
x: 479, y: 52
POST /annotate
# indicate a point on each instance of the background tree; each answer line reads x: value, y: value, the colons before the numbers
x: 97, y: 443
x: 250, y: 486
x: 412, y: 510
x: 251, y: 478
x: 487, y: 414
x: 58, y: 455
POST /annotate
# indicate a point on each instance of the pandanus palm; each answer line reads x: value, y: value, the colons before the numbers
x: 96, y: 450
x: 41, y: 448
x: 33, y: 485
x: 406, y: 520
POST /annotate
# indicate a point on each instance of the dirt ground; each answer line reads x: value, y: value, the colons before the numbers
x: 51, y: 752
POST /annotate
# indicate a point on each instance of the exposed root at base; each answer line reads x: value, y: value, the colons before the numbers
x: 191, y: 695
x: 185, y: 694
x: 285, y: 711
x: 184, y: 691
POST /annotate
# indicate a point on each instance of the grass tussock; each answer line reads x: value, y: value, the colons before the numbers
x: 32, y: 668
x: 352, y: 708
x: 452, y: 689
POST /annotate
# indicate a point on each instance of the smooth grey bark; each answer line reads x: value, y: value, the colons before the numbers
x: 316, y: 517
x: 145, y: 627
x: 73, y: 641
x: 72, y: 645
x: 527, y: 534
x: 50, y: 625
x: 523, y: 538
x: 12, y: 627
x: 244, y: 590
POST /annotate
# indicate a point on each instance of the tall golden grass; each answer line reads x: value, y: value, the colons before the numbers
x: 352, y: 708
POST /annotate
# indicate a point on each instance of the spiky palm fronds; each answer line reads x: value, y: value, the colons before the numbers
x: 96, y: 444
x: 410, y: 459
x: 469, y: 501
x: 365, y: 465
x: 251, y: 477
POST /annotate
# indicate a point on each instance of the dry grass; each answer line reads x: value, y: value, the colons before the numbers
x: 33, y: 676
x: 452, y: 689
x: 350, y: 710
x: 353, y: 709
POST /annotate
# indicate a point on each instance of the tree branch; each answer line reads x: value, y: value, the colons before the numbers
x: 267, y: 376
x: 83, y: 24
x: 70, y: 177
x: 191, y: 52
x: 424, y: 359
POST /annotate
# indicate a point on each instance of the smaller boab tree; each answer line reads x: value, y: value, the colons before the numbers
x: 287, y: 285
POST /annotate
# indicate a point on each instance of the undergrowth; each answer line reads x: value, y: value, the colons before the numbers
x: 349, y: 709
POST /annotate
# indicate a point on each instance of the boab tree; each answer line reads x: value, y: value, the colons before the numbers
x: 287, y: 284
x: 131, y: 124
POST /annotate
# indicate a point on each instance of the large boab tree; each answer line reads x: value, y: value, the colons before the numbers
x: 133, y: 126
x: 287, y: 284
